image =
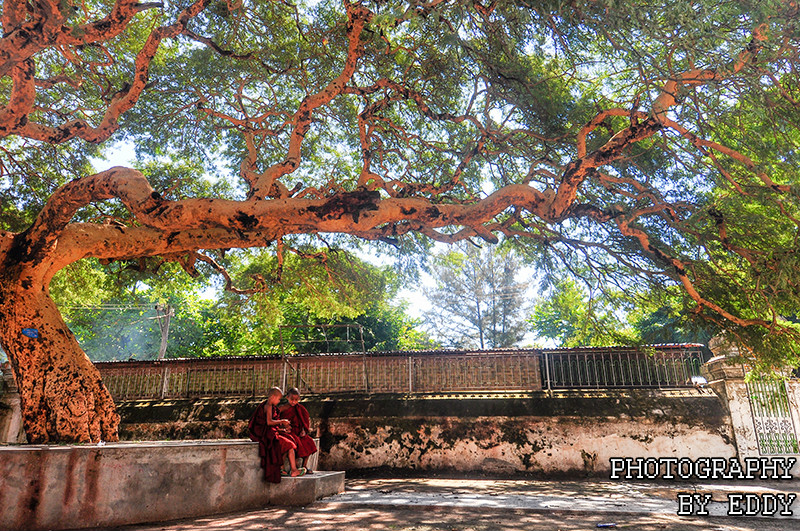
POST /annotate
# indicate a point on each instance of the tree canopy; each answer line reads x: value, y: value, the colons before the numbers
x: 649, y: 142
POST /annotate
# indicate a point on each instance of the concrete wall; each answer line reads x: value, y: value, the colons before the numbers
x: 793, y: 393
x: 571, y: 447
x: 735, y: 395
x: 52, y: 487
x: 561, y: 434
x: 567, y: 434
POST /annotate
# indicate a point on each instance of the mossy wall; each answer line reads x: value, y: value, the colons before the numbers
x: 558, y: 434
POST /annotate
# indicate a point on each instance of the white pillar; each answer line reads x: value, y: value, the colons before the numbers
x: 793, y: 391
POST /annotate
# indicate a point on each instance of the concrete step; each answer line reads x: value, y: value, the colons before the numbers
x: 90, y: 486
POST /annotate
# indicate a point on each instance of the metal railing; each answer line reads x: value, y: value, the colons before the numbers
x: 400, y: 372
x: 663, y: 366
x: 191, y: 378
x: 656, y: 366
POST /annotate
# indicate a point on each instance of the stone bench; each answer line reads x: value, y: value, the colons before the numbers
x: 311, y: 462
x: 66, y: 487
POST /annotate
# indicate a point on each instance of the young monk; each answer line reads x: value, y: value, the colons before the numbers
x: 300, y: 421
x: 273, y: 437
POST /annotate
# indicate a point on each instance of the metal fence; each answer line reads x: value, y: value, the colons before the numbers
x: 191, y: 378
x: 408, y: 372
x: 656, y: 366
x: 418, y: 372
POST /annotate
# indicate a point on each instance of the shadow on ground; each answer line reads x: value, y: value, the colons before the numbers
x: 464, y: 504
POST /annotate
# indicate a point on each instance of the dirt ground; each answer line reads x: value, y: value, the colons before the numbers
x: 461, y: 504
x: 324, y: 516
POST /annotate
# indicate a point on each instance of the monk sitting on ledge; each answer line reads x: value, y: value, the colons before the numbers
x: 300, y: 422
x: 274, y: 438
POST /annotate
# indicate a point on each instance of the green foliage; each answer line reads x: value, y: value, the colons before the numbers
x: 112, y: 309
x: 112, y: 312
x: 31, y: 171
x: 319, y: 292
x: 570, y: 317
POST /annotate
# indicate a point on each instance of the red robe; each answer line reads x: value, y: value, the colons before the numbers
x: 272, y: 444
x: 301, y: 426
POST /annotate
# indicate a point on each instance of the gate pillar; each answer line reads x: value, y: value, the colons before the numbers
x: 765, y: 415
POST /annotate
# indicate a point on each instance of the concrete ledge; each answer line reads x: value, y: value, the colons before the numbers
x: 70, y: 487
x: 198, y: 417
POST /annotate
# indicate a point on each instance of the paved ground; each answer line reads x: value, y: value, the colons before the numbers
x: 459, y: 504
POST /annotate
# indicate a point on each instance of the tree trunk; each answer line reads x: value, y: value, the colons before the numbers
x: 63, y: 397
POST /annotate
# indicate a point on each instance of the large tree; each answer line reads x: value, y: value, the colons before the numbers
x: 654, y: 140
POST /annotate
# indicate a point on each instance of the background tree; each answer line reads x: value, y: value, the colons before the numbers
x: 663, y: 317
x: 570, y: 315
x: 112, y: 312
x: 651, y: 143
x: 318, y: 288
x: 477, y: 300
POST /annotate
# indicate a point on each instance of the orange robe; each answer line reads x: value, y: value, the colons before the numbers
x: 301, y: 426
x: 272, y: 443
x: 269, y: 449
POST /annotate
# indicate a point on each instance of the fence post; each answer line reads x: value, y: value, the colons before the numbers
x: 164, y: 382
x: 410, y: 374
x: 283, y: 374
x: 547, y: 370
x: 364, y: 368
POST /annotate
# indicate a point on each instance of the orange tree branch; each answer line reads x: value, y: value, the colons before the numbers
x: 261, y: 184
x: 679, y: 271
x: 14, y: 117
x: 642, y: 126
x: 346, y: 212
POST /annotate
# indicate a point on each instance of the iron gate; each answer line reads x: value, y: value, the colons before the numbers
x: 772, y: 417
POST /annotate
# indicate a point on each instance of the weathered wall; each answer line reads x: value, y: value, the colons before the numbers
x: 572, y: 446
x: 52, y: 487
x: 793, y: 392
x: 733, y: 392
x: 568, y: 433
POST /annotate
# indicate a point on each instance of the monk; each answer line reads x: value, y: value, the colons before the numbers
x: 300, y: 421
x: 274, y: 438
